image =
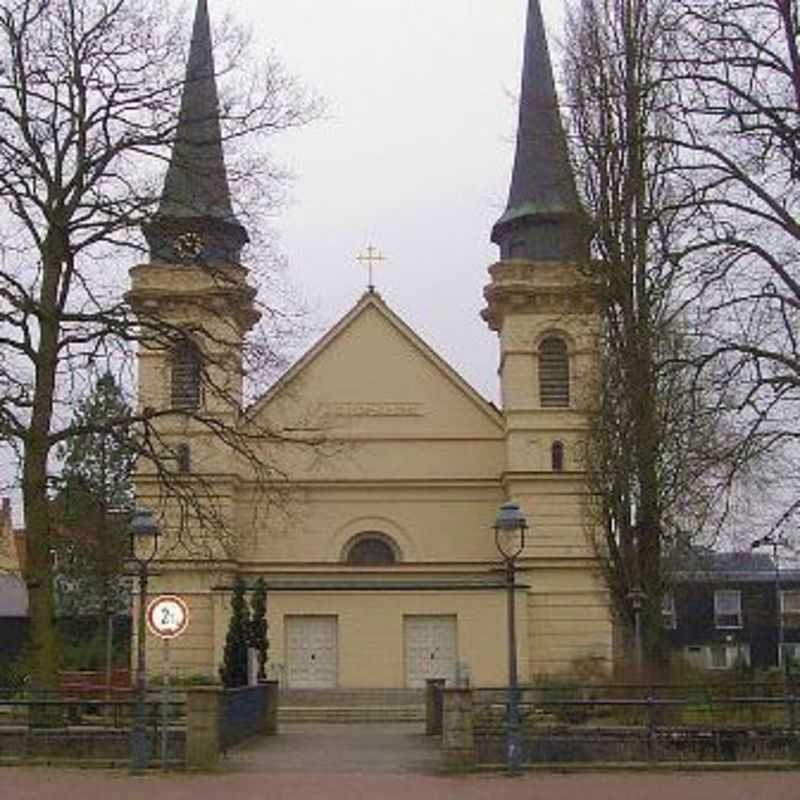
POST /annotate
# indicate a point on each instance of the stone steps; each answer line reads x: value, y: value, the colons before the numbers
x: 352, y: 705
x: 352, y: 714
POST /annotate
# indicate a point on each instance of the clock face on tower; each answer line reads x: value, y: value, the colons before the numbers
x: 189, y: 246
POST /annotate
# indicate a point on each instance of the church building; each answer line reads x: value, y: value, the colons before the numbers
x: 368, y: 478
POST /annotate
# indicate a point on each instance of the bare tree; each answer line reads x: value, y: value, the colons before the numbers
x: 737, y: 112
x: 654, y: 445
x: 89, y: 97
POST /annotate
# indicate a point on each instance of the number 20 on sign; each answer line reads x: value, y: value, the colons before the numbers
x: 167, y: 616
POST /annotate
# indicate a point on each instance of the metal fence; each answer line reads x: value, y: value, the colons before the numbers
x: 737, y: 722
x: 242, y: 714
x: 34, y: 708
x: 47, y: 726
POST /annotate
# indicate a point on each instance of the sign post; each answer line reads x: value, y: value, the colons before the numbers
x: 165, y: 705
x: 167, y: 618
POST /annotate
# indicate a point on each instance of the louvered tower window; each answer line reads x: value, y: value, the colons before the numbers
x: 553, y: 373
x: 186, y: 371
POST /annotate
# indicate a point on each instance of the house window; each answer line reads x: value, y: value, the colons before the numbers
x: 718, y: 657
x: 790, y: 608
x: 371, y: 550
x: 553, y: 373
x: 557, y: 456
x: 668, y: 615
x: 728, y: 656
x: 728, y: 609
x: 790, y: 654
x: 186, y: 373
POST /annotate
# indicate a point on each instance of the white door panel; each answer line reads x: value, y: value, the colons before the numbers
x: 311, y: 652
x: 431, y: 648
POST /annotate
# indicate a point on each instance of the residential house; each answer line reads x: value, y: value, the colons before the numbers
x: 725, y: 609
x: 13, y: 594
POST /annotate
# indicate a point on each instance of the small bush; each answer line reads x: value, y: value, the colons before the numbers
x: 196, y: 679
x: 13, y: 675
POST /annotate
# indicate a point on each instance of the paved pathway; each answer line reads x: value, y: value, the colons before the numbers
x: 398, y: 748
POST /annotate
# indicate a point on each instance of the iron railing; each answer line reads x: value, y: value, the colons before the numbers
x: 750, y: 721
x: 46, y: 708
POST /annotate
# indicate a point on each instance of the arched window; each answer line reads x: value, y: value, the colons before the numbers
x: 553, y: 373
x: 371, y: 550
x: 557, y: 456
x: 186, y: 372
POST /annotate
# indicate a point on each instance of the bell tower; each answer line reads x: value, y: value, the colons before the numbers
x: 193, y: 292
x: 542, y: 305
x: 192, y: 297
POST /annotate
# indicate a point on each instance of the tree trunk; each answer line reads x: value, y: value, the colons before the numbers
x: 39, y: 560
x: 39, y: 572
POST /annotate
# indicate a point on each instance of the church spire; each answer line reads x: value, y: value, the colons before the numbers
x: 195, y: 220
x: 543, y: 219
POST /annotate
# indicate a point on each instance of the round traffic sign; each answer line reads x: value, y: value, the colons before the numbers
x: 167, y: 616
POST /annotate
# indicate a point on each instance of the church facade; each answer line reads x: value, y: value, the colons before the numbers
x: 370, y: 517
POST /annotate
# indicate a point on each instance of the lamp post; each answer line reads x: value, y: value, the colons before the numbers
x: 774, y: 541
x: 509, y: 536
x: 144, y: 533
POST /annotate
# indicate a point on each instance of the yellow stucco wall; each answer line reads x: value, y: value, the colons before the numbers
x: 411, y: 451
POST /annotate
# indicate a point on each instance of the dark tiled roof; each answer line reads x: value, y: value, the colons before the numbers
x: 197, y: 182
x: 542, y: 184
x: 704, y: 559
x: 703, y: 564
x: 196, y: 195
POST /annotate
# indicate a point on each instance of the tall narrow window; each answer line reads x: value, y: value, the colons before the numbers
x: 553, y: 373
x: 557, y: 456
x: 790, y: 608
x: 728, y: 608
x: 186, y: 370
x: 184, y: 458
x: 668, y: 614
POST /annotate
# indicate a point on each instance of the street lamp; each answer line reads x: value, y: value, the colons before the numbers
x: 144, y: 533
x: 509, y: 536
x: 773, y: 541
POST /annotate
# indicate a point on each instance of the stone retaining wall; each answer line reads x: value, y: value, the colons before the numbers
x: 89, y: 746
x: 217, y: 719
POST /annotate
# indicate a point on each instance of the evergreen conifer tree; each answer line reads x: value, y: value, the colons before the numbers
x: 94, y: 489
x: 233, y: 671
x: 259, y: 627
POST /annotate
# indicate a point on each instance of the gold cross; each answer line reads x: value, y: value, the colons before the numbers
x: 371, y: 257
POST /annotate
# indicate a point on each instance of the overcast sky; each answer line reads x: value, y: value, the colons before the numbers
x: 414, y: 155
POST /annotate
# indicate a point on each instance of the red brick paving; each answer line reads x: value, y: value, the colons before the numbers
x: 47, y: 784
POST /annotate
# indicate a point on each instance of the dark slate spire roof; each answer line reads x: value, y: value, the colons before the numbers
x: 543, y: 219
x: 196, y: 198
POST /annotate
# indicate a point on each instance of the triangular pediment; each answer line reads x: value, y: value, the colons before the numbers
x: 371, y: 374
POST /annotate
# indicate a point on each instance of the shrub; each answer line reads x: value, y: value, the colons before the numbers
x: 233, y: 671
